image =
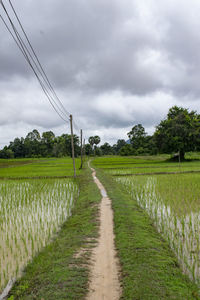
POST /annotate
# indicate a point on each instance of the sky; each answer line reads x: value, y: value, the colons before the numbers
x: 113, y: 64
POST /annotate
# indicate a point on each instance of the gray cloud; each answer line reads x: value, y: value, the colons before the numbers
x: 114, y: 63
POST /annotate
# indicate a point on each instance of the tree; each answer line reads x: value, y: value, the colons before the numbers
x: 88, y: 149
x: 179, y: 132
x: 97, y: 140
x: 94, y: 140
x: 35, y: 146
x: 127, y: 150
x: 47, y: 143
x: 106, y: 149
x: 116, y: 147
x: 6, y: 153
x: 32, y: 144
x: 63, y: 146
x: 137, y: 136
x: 91, y: 141
x: 17, y: 146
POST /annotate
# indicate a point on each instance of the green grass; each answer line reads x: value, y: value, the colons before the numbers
x: 149, y: 268
x: 56, y: 273
x: 146, y: 165
x: 127, y: 161
x: 39, y: 168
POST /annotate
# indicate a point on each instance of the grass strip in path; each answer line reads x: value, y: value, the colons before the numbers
x: 149, y: 268
x: 61, y: 270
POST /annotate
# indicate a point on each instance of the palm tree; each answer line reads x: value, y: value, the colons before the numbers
x: 94, y: 140
x: 91, y: 141
x: 97, y: 140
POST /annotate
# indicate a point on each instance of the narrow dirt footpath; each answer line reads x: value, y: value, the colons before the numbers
x: 104, y: 283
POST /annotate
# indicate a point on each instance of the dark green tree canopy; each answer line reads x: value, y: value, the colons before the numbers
x: 35, y: 146
x: 97, y: 140
x: 179, y: 132
x: 91, y: 141
x: 116, y: 147
x: 137, y: 136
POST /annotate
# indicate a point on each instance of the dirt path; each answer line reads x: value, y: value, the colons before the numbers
x: 104, y: 283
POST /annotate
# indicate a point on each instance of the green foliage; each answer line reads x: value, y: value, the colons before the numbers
x: 137, y: 136
x: 6, y: 153
x: 140, y: 141
x: 179, y: 132
x: 118, y: 146
x: 93, y: 142
x: 46, y: 146
x: 88, y: 149
x: 97, y: 140
x: 127, y: 150
x: 106, y: 149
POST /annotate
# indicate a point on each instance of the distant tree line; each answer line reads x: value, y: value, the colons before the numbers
x: 45, y: 145
x: 178, y: 133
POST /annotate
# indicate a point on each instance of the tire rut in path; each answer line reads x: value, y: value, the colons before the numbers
x: 104, y: 283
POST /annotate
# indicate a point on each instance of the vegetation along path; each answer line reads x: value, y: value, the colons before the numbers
x: 104, y: 273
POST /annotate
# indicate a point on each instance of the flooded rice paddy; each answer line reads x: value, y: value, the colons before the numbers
x: 173, y: 203
x: 31, y: 212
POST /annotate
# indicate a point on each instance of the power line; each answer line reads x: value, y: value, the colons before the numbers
x: 28, y: 56
x: 21, y: 45
x: 45, y: 75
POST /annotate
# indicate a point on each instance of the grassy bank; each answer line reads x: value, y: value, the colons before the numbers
x: 149, y: 268
x: 60, y: 271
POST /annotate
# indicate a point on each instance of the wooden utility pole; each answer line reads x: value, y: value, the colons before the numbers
x: 72, y: 142
x: 81, y: 149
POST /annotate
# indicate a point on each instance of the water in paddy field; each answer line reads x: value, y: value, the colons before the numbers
x: 31, y: 212
x: 182, y: 232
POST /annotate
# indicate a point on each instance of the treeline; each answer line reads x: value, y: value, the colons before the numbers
x: 178, y: 133
x: 45, y: 145
x: 48, y: 145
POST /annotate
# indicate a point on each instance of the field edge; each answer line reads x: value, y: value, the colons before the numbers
x: 61, y: 270
x: 149, y: 268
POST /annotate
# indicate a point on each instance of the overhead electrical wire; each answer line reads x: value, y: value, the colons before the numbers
x: 42, y: 69
x: 34, y: 63
x: 21, y: 47
x: 28, y: 58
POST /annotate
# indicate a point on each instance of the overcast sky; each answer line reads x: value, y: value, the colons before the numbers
x: 113, y: 64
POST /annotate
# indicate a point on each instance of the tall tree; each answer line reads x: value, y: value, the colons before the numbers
x: 32, y: 143
x: 179, y: 132
x: 116, y: 147
x: 47, y: 142
x: 91, y: 141
x: 17, y: 146
x: 106, y: 149
x: 97, y: 140
x: 137, y: 136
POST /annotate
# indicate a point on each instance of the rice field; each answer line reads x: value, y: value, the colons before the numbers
x: 31, y: 213
x: 172, y: 201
